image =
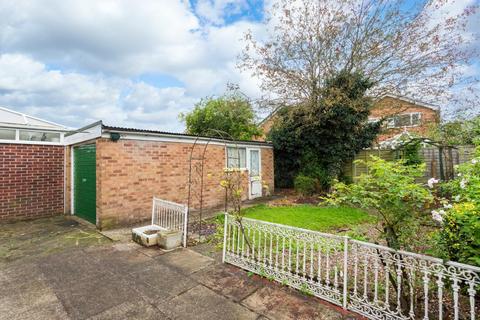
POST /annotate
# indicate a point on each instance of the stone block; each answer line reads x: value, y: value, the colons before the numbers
x: 169, y: 239
x: 146, y: 236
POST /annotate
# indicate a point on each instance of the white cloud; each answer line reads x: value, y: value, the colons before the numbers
x: 73, y: 61
x: 214, y: 11
x: 75, y: 99
x: 120, y: 37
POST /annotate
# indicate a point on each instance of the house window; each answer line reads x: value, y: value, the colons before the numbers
x: 404, y: 120
x: 39, y: 136
x: 236, y: 157
x: 7, y: 134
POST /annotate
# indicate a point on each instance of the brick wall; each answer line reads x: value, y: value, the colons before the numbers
x: 31, y: 181
x: 387, y: 106
x: 131, y: 172
x: 267, y: 170
x: 391, y: 106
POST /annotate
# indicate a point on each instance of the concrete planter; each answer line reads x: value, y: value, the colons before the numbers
x: 169, y: 239
x: 146, y: 236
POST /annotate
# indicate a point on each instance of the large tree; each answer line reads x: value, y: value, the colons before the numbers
x: 459, y: 132
x: 231, y: 113
x: 315, y: 140
x: 415, y: 48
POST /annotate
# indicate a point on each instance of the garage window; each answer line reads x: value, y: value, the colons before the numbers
x: 236, y: 157
x: 39, y: 136
x: 7, y: 134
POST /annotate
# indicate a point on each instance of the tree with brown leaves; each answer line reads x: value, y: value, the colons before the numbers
x: 419, y: 49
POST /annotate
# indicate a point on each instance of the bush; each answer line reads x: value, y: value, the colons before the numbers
x: 459, y: 239
x: 411, y: 154
x: 323, y: 133
x: 390, y: 191
x: 305, y: 185
x: 313, y: 169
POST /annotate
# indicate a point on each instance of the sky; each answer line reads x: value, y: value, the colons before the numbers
x: 126, y: 62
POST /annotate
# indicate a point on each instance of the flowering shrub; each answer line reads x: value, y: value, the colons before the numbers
x: 390, y: 191
x: 459, y: 237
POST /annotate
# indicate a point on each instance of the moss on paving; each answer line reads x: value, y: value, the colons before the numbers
x: 311, y: 217
x: 26, y: 239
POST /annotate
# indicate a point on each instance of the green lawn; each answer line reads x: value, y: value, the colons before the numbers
x: 310, y: 217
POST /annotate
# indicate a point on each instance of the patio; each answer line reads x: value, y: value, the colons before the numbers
x: 58, y: 268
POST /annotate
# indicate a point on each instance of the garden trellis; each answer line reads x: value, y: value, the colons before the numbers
x: 196, y: 174
x: 375, y: 281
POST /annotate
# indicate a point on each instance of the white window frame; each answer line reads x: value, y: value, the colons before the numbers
x: 259, y: 160
x: 18, y: 141
x: 15, y: 134
x: 246, y: 156
x: 391, y: 120
x: 257, y: 178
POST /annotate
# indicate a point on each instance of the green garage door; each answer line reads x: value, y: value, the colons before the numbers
x: 84, y: 177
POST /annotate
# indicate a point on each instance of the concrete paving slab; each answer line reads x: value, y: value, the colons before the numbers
x: 121, y: 234
x: 209, y: 250
x: 228, y: 281
x: 29, y: 239
x: 131, y: 310
x: 59, y: 269
x: 45, y: 311
x: 153, y: 251
x: 202, y: 303
x: 159, y: 282
x: 68, y: 268
x: 28, y: 295
x: 185, y: 260
x: 96, y: 295
x: 120, y: 262
x: 282, y: 304
x: 16, y: 276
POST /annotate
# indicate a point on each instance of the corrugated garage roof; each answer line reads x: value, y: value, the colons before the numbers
x: 156, y: 132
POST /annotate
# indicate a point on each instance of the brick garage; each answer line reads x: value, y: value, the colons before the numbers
x: 31, y: 181
x: 143, y: 164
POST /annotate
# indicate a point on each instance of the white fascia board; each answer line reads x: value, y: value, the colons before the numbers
x: 29, y: 127
x: 89, y: 133
x: 180, y: 139
x: 31, y: 142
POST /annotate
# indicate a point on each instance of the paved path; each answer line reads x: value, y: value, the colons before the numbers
x: 89, y: 277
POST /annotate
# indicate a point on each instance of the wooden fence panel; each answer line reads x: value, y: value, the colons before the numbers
x: 431, y: 156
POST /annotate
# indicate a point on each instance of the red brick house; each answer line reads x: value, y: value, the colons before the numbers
x: 401, y: 114
x: 108, y: 175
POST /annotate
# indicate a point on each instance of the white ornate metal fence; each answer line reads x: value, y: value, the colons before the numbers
x: 375, y: 281
x: 170, y: 216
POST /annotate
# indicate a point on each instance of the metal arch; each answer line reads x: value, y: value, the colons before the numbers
x: 224, y: 136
